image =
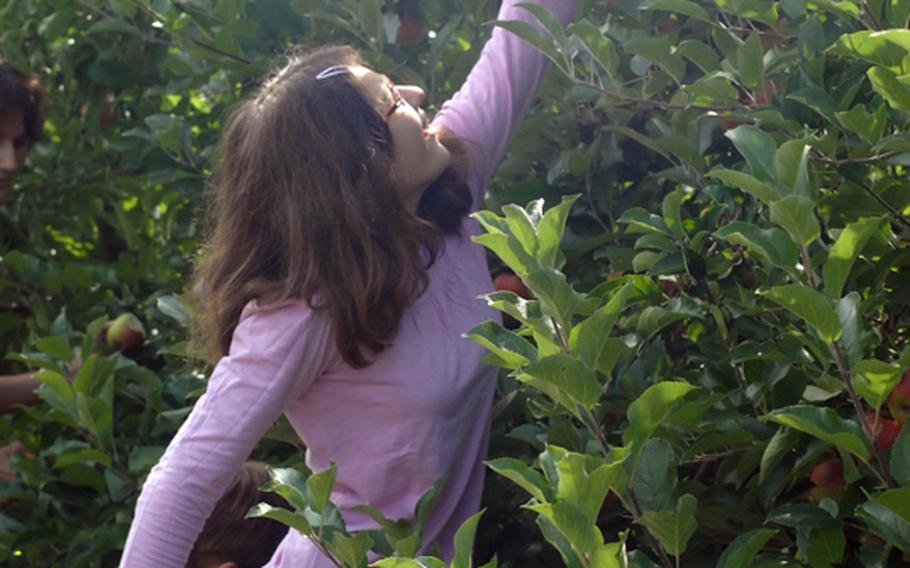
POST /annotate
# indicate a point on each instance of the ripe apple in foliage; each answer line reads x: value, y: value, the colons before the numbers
x: 899, y: 399
x: 886, y: 433
x: 410, y: 31
x: 828, y: 477
x: 511, y: 283
x: 125, y: 333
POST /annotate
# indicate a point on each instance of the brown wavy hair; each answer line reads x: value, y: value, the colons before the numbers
x: 18, y: 90
x: 302, y: 206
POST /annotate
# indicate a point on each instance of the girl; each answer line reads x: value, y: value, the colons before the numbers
x: 337, y: 282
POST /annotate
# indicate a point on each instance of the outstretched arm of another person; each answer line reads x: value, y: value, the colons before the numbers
x: 498, y: 91
x: 17, y: 390
x: 274, y: 356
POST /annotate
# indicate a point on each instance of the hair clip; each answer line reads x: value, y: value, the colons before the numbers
x: 332, y: 71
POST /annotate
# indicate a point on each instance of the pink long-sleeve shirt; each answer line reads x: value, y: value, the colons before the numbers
x: 419, y: 413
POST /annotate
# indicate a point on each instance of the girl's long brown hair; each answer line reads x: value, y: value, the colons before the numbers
x: 302, y: 207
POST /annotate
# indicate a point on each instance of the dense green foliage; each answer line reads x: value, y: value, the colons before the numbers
x: 721, y: 310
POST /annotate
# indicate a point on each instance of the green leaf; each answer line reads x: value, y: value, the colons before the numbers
x: 898, y: 500
x: 802, y: 515
x: 565, y: 379
x: 319, y: 487
x: 887, y: 523
x: 143, y: 458
x: 824, y: 424
x: 521, y: 227
x: 772, y: 245
x: 741, y: 552
x: 810, y: 305
x: 511, y: 349
x: 684, y: 7
x: 886, y: 84
x: 651, y: 409
x: 758, y: 148
x: 526, y: 311
x: 874, y: 379
x: 583, y: 536
x: 171, y: 306
x: 885, y: 48
x: 584, y: 483
x: 671, y: 209
x: 701, y: 54
x: 673, y: 528
x: 57, y: 383
x: 528, y: 479
x: 296, y: 521
x: 55, y: 346
x: 845, y: 251
x: 642, y: 219
x: 112, y: 25
x: 826, y: 547
x: 559, y: 541
x: 783, y: 441
x: 464, y: 541
x: 900, y: 12
x: 291, y: 485
x: 751, y: 67
x: 764, y: 11
x: 764, y: 193
x: 851, y: 338
x: 654, y: 476
x: 659, y: 51
x: 869, y: 127
x: 556, y: 295
x: 795, y: 213
x: 712, y: 90
x: 609, y: 555
x: 591, y: 336
x: 792, y: 166
x: 352, y: 549
x: 900, y: 457
x: 547, y: 20
x: 601, y: 48
x: 544, y: 43
x: 509, y: 250
x: 550, y: 230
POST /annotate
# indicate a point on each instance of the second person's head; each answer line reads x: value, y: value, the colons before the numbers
x: 20, y: 122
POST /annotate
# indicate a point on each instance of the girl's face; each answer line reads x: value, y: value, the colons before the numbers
x: 419, y: 157
x: 13, y: 147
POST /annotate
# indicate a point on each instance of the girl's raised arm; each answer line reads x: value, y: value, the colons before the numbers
x: 274, y: 357
x: 498, y: 92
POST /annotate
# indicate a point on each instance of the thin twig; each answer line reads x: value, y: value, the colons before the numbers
x: 847, y: 161
x: 875, y: 23
x: 807, y: 265
x: 881, y: 201
x: 703, y: 458
x: 636, y: 513
x: 649, y: 102
x: 858, y: 407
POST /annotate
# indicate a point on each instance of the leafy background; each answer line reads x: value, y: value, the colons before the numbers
x: 718, y: 309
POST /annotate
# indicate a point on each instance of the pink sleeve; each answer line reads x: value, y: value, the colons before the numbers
x: 274, y: 356
x: 498, y: 92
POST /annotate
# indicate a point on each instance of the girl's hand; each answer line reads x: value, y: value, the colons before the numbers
x: 7, y: 473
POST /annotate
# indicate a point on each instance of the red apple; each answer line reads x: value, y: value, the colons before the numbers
x: 410, y: 31
x: 125, y: 333
x: 886, y: 433
x: 511, y: 283
x: 829, y: 474
x: 899, y: 399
